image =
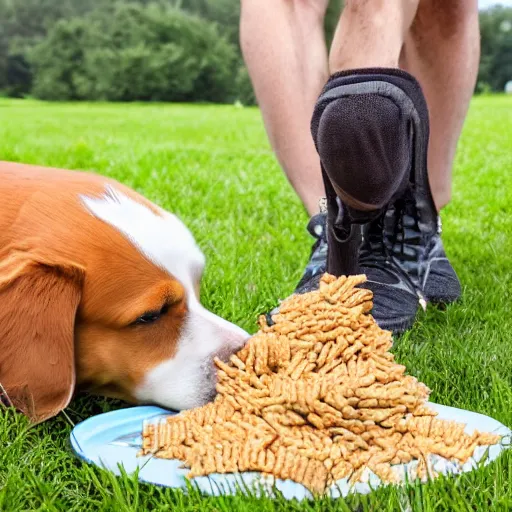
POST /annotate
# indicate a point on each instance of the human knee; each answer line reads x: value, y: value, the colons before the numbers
x: 309, y: 7
x: 448, y: 16
x: 361, y: 7
x: 316, y: 6
x: 373, y: 6
x: 377, y: 16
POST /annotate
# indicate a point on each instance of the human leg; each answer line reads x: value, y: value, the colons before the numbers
x: 284, y: 49
x: 442, y: 50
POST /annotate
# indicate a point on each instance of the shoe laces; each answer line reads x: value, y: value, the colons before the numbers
x: 402, y: 230
x: 374, y: 253
x: 404, y: 239
x: 372, y: 247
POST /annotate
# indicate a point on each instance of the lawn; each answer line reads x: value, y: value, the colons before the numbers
x: 213, y: 167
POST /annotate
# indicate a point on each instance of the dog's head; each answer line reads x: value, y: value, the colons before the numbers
x: 106, y: 298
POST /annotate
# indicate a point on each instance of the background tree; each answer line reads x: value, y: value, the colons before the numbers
x: 161, y: 50
x: 127, y: 51
x: 496, y: 49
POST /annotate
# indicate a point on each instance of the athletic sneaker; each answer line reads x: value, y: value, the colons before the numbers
x: 370, y: 128
x: 392, y: 248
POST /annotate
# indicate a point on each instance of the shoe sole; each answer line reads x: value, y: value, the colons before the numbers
x: 440, y: 286
x: 396, y: 326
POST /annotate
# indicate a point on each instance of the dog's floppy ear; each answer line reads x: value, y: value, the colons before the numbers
x: 39, y: 298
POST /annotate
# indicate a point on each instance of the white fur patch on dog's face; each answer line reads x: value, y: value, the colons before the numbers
x: 163, y: 239
x: 188, y: 379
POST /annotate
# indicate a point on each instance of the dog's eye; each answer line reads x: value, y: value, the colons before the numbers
x: 147, y: 318
x: 151, y: 316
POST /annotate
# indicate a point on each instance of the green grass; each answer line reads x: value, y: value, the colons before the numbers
x: 213, y: 166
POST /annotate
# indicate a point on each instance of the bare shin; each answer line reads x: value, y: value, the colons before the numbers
x: 284, y: 49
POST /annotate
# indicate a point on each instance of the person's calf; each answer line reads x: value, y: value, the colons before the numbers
x: 442, y: 51
x: 284, y: 49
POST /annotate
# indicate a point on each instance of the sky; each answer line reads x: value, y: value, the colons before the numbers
x: 487, y: 3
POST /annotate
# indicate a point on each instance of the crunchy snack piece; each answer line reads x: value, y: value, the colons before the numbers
x: 314, y: 398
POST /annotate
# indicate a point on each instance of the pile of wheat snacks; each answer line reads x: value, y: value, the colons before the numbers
x: 315, y: 398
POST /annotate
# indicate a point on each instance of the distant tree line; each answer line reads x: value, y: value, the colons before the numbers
x: 496, y: 49
x: 160, y: 50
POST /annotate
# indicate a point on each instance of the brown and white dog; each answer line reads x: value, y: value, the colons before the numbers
x: 99, y: 291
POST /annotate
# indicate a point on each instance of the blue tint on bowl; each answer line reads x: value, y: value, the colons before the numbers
x: 112, y: 439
